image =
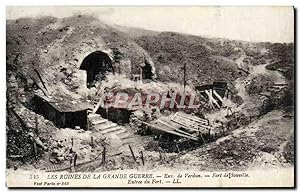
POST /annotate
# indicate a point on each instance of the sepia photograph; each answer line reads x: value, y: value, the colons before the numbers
x: 150, y: 96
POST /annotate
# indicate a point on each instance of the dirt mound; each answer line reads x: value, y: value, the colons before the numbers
x: 263, y: 143
x: 57, y: 47
x: 170, y: 51
x: 210, y: 59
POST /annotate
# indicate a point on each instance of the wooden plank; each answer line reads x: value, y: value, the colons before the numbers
x: 180, y: 123
x: 212, y: 101
x: 171, y: 123
x: 280, y: 84
x: 191, y: 116
x: 15, y: 156
x: 203, y: 97
x: 104, y: 155
x: 131, y: 151
x: 226, y: 94
x: 205, y: 126
x: 41, y: 87
x: 174, y: 115
x: 185, y: 133
x: 37, y: 141
x: 170, y: 131
x: 218, y: 96
x: 200, y: 129
x: 206, y: 129
x: 177, y: 129
x: 166, y: 124
x: 202, y: 138
x: 23, y: 123
x: 142, y: 157
x: 40, y: 77
x: 184, y: 125
x: 97, y: 106
x: 209, y: 99
x: 194, y: 118
x: 241, y: 69
x: 35, y: 150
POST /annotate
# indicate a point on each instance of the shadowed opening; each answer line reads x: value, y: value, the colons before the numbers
x: 96, y: 64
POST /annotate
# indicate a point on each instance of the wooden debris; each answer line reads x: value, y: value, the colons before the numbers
x: 133, y: 156
x: 40, y: 77
x: 194, y: 118
x: 183, y: 125
x: 15, y: 156
x: 243, y: 70
x: 218, y: 96
x: 55, y: 168
x: 211, y: 99
x: 142, y: 157
x: 171, y: 131
x: 35, y: 150
x: 38, y: 83
x: 75, y: 159
x: 92, y: 142
x: 36, y: 140
x: 103, y: 155
x: 23, y: 123
x: 36, y: 124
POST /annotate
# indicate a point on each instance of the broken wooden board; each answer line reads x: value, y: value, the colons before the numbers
x: 191, y: 122
x: 170, y: 131
x: 191, y: 117
x: 182, y: 125
x: 167, y: 124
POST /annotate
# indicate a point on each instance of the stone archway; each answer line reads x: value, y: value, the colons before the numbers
x: 96, y: 64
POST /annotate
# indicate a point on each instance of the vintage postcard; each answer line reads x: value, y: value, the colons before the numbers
x: 150, y: 97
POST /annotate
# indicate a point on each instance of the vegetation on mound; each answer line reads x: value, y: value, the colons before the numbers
x: 170, y: 51
x: 209, y: 59
x: 51, y: 45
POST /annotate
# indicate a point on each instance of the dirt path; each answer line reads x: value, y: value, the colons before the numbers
x: 241, y: 83
x: 273, y: 74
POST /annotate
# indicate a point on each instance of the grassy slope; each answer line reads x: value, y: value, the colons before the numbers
x: 170, y: 51
x: 53, y: 45
x: 211, y: 59
x: 273, y: 133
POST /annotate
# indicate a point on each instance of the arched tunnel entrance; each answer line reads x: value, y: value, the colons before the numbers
x: 96, y: 64
x: 147, y: 71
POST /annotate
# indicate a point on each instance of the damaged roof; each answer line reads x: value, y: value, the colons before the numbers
x: 65, y: 104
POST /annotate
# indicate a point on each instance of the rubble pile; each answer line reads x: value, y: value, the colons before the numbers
x: 234, y: 151
x: 67, y: 142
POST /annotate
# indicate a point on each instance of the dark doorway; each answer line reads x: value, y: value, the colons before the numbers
x: 96, y: 64
x: 119, y: 116
x: 147, y: 71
